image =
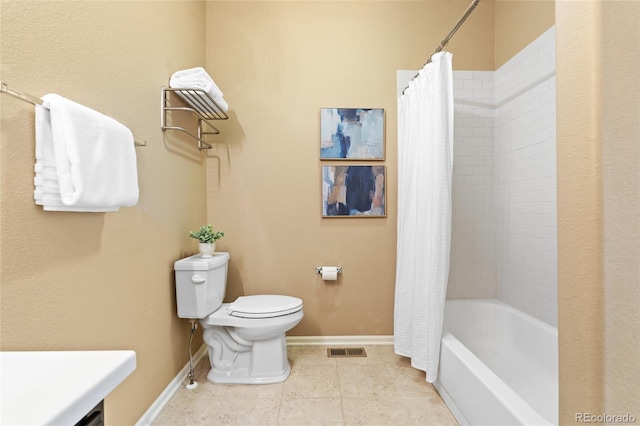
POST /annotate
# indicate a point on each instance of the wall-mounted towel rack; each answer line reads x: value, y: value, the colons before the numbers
x: 37, y: 101
x: 201, y: 104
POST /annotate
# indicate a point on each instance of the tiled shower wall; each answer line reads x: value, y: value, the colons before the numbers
x: 472, y: 270
x: 504, y: 183
x: 525, y: 172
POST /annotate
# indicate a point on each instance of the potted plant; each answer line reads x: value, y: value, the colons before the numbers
x: 207, y: 238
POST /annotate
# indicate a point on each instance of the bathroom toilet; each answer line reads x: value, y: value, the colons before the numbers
x: 246, y: 338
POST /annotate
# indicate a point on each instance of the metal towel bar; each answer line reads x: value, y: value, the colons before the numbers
x: 37, y: 101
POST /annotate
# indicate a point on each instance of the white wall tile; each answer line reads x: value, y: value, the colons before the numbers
x: 504, y: 240
x: 472, y: 271
x: 526, y: 182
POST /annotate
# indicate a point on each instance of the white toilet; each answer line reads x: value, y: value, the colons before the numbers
x: 246, y: 339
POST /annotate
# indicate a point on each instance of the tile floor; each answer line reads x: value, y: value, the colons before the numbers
x: 381, y: 389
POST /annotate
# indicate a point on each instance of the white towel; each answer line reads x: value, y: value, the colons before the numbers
x: 90, y: 158
x: 49, y: 186
x: 198, y: 78
x: 43, y: 167
x: 47, y: 191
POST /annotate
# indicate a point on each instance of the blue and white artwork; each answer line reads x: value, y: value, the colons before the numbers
x: 352, y: 134
x: 353, y: 191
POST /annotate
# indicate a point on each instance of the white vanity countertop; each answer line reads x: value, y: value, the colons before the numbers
x: 44, y: 388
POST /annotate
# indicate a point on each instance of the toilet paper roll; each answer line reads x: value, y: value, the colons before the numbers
x: 329, y: 273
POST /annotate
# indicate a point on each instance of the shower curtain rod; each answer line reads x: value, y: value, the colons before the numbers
x: 464, y: 17
x: 445, y: 41
x: 37, y: 101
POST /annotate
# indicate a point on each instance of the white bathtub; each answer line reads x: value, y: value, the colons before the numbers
x: 498, y: 365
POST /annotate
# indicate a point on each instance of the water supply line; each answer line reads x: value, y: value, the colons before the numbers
x: 192, y: 383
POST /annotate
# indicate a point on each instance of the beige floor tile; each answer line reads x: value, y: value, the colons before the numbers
x: 309, y: 355
x: 192, y: 412
x: 310, y: 411
x: 310, y: 381
x: 381, y: 389
x: 410, y: 382
x: 399, y: 361
x: 394, y: 411
x: 245, y: 411
x: 219, y: 411
x: 365, y: 381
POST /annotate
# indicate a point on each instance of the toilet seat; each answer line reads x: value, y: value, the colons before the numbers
x: 264, y: 306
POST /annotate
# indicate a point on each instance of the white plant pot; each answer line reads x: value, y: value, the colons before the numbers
x: 206, y: 249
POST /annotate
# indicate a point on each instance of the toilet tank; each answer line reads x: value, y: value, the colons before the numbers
x: 201, y: 284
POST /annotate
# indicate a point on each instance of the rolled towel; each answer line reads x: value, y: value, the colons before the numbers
x: 198, y: 78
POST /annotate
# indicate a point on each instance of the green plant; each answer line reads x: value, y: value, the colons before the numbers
x: 206, y: 234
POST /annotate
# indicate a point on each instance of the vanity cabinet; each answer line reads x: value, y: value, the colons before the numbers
x: 59, y: 387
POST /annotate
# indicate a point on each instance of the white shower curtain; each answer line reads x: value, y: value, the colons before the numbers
x: 425, y: 162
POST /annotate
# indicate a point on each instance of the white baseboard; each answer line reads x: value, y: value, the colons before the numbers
x: 154, y: 410
x: 338, y: 340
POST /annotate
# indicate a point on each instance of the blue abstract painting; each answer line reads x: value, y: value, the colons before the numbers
x: 352, y: 134
x: 350, y: 191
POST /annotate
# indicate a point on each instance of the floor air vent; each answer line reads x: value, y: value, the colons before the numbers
x: 345, y: 352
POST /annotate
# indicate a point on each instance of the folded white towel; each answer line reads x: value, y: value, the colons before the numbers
x: 89, y: 156
x: 41, y: 167
x: 44, y: 139
x: 46, y: 190
x: 46, y: 173
x: 198, y: 78
x: 42, y: 180
x: 50, y: 201
x: 45, y: 177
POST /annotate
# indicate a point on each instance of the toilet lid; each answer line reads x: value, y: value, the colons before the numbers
x: 264, y: 306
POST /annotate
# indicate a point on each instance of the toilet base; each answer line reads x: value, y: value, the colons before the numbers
x: 242, y: 376
x: 236, y: 360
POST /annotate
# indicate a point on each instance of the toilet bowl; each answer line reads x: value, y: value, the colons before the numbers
x: 254, y: 349
x: 245, y: 339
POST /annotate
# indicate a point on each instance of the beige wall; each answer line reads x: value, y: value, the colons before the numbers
x: 621, y: 178
x: 104, y: 281
x: 580, y: 239
x: 83, y: 281
x: 598, y: 202
x: 278, y: 63
x: 518, y: 23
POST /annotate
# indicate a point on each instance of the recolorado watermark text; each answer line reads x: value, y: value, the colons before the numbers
x: 606, y: 418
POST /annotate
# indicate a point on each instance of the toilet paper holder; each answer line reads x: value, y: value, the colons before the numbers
x: 319, y: 270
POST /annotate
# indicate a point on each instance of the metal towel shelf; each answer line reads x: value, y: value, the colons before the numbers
x: 199, y: 103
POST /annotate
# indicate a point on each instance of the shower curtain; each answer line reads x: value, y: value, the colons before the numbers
x: 425, y: 162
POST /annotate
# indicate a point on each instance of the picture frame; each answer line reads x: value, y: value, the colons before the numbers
x: 352, y: 134
x: 354, y: 191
